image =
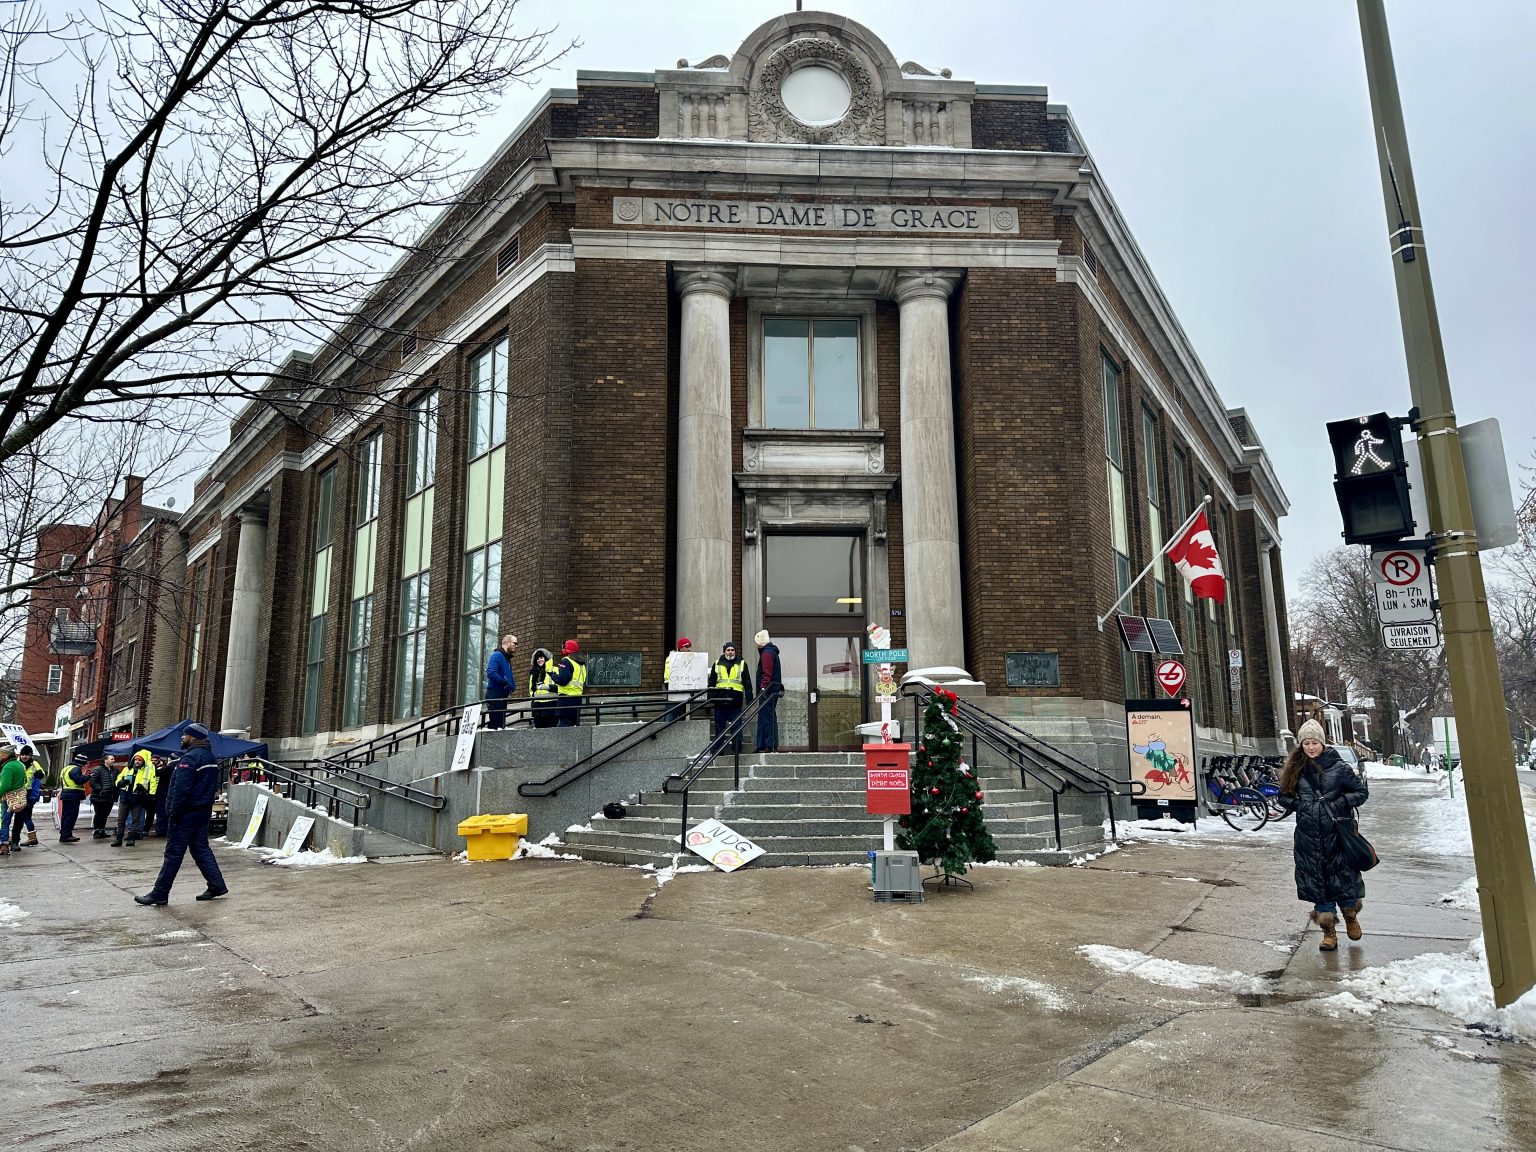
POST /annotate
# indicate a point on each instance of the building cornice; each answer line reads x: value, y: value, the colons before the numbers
x: 838, y: 251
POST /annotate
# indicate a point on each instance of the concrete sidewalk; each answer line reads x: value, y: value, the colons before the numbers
x: 545, y: 1004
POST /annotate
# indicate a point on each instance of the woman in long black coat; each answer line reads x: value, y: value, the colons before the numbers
x: 1318, y: 786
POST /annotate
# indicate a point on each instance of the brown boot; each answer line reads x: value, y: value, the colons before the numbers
x: 1328, y: 922
x: 31, y: 839
x: 1352, y: 919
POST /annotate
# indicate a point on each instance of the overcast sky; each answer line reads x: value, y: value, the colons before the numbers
x: 1236, y: 139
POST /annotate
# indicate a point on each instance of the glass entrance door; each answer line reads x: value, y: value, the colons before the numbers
x: 823, y: 692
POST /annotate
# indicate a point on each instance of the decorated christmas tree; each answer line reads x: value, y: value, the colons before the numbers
x: 946, y: 826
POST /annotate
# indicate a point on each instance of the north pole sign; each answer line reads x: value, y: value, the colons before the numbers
x: 1401, y: 579
x: 1170, y: 674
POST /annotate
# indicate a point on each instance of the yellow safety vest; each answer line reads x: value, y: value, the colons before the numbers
x: 125, y: 776
x: 578, y: 683
x: 730, y: 676
x: 67, y: 784
x: 538, y: 686
x: 666, y: 670
x: 145, y: 775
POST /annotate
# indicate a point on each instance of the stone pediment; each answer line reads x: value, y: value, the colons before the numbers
x: 815, y: 78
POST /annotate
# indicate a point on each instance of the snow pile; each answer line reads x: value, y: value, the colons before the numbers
x: 321, y: 859
x: 1464, y: 895
x: 1172, y: 973
x: 674, y: 870
x: 1455, y: 983
x: 544, y: 850
x: 1018, y: 989
x: 11, y: 913
x: 1381, y: 770
x: 579, y: 828
x: 1441, y: 824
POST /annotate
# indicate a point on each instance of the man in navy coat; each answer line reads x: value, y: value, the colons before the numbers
x: 194, y: 785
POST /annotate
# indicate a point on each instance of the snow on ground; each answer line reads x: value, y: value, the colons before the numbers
x: 1167, y: 830
x: 1380, y: 770
x: 674, y: 870
x: 1456, y: 983
x: 1464, y: 895
x: 11, y: 914
x: 321, y: 859
x: 544, y: 850
x: 1441, y: 819
x: 1172, y: 973
x: 1018, y: 989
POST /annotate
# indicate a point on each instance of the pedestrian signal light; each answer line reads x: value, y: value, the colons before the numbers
x: 1370, y: 479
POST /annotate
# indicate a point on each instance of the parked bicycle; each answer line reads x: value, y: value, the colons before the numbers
x: 1244, y: 808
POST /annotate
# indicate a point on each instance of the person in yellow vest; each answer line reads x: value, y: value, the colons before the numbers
x: 570, y: 681
x: 730, y: 689
x: 72, y: 782
x: 135, y: 791
x: 541, y: 689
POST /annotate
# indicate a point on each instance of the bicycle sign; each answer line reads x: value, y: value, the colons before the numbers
x: 1170, y: 674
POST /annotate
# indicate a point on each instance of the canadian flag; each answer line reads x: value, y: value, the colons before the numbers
x: 1194, y: 554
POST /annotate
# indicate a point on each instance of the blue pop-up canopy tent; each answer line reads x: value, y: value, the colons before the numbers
x: 167, y: 742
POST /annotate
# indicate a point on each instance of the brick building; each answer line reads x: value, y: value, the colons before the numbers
x: 104, y: 622
x: 798, y: 338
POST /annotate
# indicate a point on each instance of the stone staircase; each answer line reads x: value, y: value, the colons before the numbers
x: 808, y: 809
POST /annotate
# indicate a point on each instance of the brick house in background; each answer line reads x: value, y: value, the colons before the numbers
x: 801, y: 339
x: 96, y: 627
x: 47, y: 676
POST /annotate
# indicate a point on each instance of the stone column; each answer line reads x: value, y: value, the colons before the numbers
x: 930, y: 520
x: 704, y: 545
x: 1272, y: 642
x: 244, y: 623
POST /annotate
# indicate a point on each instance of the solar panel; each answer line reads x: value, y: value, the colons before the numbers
x: 1163, y: 635
x: 1133, y: 629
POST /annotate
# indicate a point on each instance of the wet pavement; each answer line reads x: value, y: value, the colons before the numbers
x: 548, y: 1004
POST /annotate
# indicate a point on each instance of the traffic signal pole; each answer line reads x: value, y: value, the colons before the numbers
x: 1500, y: 846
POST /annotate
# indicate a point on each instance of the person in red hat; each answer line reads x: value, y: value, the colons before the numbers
x: 683, y: 645
x: 570, y: 681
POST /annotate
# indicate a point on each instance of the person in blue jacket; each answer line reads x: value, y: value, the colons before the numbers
x: 193, y: 787
x: 498, y: 682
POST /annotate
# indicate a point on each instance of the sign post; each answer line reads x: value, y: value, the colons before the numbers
x: 886, y: 760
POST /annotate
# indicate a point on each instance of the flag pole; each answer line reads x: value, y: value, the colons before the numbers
x: 1178, y: 534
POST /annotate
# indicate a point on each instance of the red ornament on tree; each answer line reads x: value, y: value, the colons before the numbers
x: 933, y: 791
x: 978, y: 796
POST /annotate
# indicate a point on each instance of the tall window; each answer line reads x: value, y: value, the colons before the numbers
x: 55, y: 678
x: 416, y: 557
x: 320, y: 594
x: 1119, y: 531
x: 1155, y: 510
x: 485, y: 485
x: 810, y: 373
x: 195, y: 657
x: 360, y: 613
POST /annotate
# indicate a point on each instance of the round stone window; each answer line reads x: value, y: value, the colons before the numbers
x: 816, y: 95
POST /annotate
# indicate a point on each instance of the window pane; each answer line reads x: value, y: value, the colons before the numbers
x: 322, y: 590
x: 835, y: 373
x: 1149, y: 447
x: 480, y: 404
x: 423, y: 597
x: 1112, y: 444
x: 426, y: 462
x: 410, y: 558
x: 493, y: 576
x: 1118, y: 535
x: 474, y: 581
x: 814, y: 575
x: 477, y: 493
x: 323, y: 516
x: 786, y: 374
x: 499, y: 392
x: 496, y: 485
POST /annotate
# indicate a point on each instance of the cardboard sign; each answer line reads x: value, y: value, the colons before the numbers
x: 688, y: 671
x: 469, y: 724
x: 254, y: 824
x: 725, y: 849
x: 298, y: 834
x: 1160, y: 738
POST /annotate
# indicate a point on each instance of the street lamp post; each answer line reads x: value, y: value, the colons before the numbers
x: 1500, y: 848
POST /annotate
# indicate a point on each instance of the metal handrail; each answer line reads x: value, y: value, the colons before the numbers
x: 407, y: 792
x: 520, y: 714
x: 301, y: 787
x: 673, y: 710
x: 730, y: 735
x: 1015, y: 753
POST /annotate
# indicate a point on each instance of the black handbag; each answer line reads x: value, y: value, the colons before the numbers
x: 1356, y: 848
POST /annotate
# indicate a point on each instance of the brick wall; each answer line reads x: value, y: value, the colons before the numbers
x: 1013, y: 126
x: 613, y: 111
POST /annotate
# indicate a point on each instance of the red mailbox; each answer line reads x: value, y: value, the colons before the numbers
x: 887, y: 779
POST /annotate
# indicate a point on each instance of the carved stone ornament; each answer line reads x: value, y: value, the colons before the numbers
x: 716, y: 61
x: 863, y: 123
x: 751, y: 456
x: 913, y: 68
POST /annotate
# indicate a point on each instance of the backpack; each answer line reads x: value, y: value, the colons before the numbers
x: 613, y: 810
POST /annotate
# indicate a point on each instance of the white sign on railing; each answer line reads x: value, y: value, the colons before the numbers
x: 469, y: 724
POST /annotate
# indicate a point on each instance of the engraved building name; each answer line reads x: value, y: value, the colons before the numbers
x: 941, y: 218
